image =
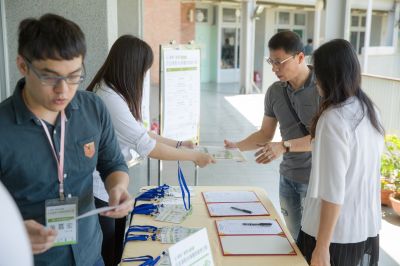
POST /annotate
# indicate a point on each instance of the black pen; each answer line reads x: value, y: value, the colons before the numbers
x: 242, y: 210
x: 260, y: 224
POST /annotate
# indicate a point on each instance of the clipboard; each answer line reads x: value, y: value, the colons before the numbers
x: 233, y: 204
x: 254, y: 242
x: 229, y: 196
x: 234, y: 209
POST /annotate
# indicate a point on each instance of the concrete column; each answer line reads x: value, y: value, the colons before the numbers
x: 4, y: 71
x: 247, y: 46
x: 91, y: 15
x: 319, y: 5
x: 396, y: 24
x: 130, y: 17
x: 259, y: 44
x: 347, y: 20
x: 334, y: 26
x: 112, y: 22
x: 367, y: 37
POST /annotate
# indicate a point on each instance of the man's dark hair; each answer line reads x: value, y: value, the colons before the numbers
x: 50, y: 37
x: 289, y: 41
x: 309, y: 40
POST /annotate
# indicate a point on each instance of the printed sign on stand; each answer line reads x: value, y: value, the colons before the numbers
x: 193, y: 250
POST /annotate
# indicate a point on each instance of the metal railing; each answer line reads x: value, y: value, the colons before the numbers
x: 385, y: 92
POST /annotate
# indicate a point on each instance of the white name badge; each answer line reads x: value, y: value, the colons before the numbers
x: 61, y: 216
x: 193, y: 250
x: 174, y: 234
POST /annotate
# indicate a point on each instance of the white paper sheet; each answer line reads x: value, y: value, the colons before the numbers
x: 225, y: 209
x: 194, y: 250
x: 230, y: 196
x: 175, y: 191
x: 236, y: 227
x: 181, y: 87
x: 256, y: 245
x: 221, y: 153
x: 96, y: 211
x: 172, y: 214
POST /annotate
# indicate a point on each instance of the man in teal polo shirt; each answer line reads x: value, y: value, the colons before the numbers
x: 52, y: 137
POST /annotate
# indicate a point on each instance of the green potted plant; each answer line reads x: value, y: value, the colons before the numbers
x: 395, y: 197
x: 387, y: 188
x: 390, y: 170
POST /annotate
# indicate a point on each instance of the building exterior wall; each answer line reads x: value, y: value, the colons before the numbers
x: 90, y: 15
x: 259, y: 44
x: 213, y: 53
x: 165, y: 21
x: 187, y: 28
x: 130, y: 17
x: 205, y: 41
x: 4, y: 86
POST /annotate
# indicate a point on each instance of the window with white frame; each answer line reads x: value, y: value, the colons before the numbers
x: 291, y: 20
x: 357, y: 31
x: 230, y: 38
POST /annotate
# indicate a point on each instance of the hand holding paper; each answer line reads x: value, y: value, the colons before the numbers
x: 223, y: 153
x: 41, y: 238
x: 121, y: 200
x: 96, y: 211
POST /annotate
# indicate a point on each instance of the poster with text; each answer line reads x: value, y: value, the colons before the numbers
x: 181, y: 93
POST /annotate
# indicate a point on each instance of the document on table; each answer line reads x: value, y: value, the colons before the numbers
x: 236, y: 209
x: 194, y: 250
x: 230, y: 196
x: 96, y: 211
x: 256, y: 245
x: 249, y: 227
x: 222, y: 153
x: 172, y: 214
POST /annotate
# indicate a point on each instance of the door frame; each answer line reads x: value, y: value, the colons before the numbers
x: 4, y: 67
x: 232, y: 74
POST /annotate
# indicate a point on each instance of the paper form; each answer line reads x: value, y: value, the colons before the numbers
x: 239, y: 209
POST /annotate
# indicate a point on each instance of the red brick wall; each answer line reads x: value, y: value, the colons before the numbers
x: 165, y: 20
x: 187, y: 27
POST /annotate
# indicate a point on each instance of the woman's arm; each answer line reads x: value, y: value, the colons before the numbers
x: 164, y: 152
x: 170, y: 142
x: 329, y: 216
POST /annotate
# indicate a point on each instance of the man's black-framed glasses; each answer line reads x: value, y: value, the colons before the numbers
x: 277, y: 62
x: 52, y: 80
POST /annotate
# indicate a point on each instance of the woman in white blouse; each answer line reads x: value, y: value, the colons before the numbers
x: 119, y: 83
x: 342, y: 209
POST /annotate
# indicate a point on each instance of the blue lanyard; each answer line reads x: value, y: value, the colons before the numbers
x: 183, y: 186
x: 147, y: 260
x: 145, y: 209
x: 142, y: 228
x: 158, y: 192
x: 140, y: 237
x: 130, y: 236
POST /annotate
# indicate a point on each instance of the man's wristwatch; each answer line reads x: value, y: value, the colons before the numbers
x: 286, y: 144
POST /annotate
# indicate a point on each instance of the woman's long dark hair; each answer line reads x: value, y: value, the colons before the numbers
x: 338, y: 73
x: 124, y: 71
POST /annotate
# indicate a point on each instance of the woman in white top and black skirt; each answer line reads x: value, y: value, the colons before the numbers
x: 342, y: 211
x: 119, y: 83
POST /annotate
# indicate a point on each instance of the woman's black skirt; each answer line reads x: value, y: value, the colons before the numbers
x: 364, y: 253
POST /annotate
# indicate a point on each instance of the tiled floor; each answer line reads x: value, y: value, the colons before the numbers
x: 224, y: 116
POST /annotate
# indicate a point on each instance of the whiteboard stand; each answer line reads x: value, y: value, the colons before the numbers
x: 179, y: 99
x: 159, y: 173
x: 196, y: 177
x: 148, y: 171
